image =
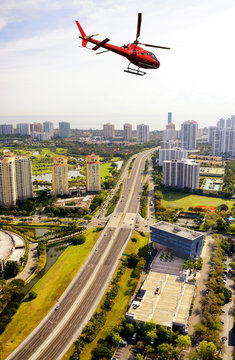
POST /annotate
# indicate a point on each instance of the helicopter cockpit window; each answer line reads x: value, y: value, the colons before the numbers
x: 148, y: 53
x: 153, y: 57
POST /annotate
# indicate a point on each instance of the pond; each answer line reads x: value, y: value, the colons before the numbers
x: 52, y: 255
x: 40, y: 232
x: 48, y: 176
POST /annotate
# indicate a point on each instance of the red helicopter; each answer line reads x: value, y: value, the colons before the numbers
x: 134, y: 53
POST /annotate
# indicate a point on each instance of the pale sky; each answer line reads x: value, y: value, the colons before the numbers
x: 45, y: 72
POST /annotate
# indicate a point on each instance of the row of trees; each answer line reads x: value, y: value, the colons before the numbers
x: 208, y: 329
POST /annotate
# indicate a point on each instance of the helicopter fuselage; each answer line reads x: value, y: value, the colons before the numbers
x: 134, y: 53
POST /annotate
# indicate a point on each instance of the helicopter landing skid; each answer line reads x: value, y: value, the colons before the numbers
x: 134, y: 71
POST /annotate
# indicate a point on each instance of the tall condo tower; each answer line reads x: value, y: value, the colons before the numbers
x: 48, y: 128
x: 189, y: 135
x: 142, y: 133
x: 8, y: 189
x: 60, y: 176
x: 108, y: 131
x: 23, y: 169
x: 169, y: 117
x: 92, y: 173
x: 64, y: 129
x: 127, y: 131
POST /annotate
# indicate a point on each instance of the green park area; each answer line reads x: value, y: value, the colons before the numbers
x: 49, y: 288
x: 184, y: 201
x: 121, y: 301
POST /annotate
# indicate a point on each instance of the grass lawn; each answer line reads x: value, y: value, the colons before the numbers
x: 104, y: 170
x: 184, y: 201
x: 49, y: 288
x: 121, y: 302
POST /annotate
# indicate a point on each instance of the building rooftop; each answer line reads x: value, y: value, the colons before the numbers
x: 166, y: 300
x: 6, y: 245
x: 176, y: 230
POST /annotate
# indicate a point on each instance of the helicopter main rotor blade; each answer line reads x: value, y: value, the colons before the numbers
x: 138, y: 26
x: 155, y: 46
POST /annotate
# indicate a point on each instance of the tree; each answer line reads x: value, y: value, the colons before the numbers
x: 79, y: 239
x: 199, y: 329
x: 183, y: 342
x: 101, y: 352
x: 32, y: 295
x: 206, y: 350
x: 139, y: 357
x: 150, y: 337
x: 11, y: 269
x: 167, y: 351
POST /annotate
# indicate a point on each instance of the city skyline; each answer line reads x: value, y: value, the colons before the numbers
x: 45, y: 72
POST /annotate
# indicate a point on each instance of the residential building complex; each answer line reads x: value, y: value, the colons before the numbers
x: 169, y: 132
x: 142, y: 133
x: 189, y: 135
x: 181, y: 174
x: 60, y: 176
x: 223, y: 142
x: 127, y: 131
x: 108, y: 131
x: 6, y: 129
x: 8, y: 187
x: 64, y: 129
x: 48, y: 128
x: 221, y: 124
x: 23, y: 129
x: 211, y: 129
x: 93, y: 173
x: 23, y: 169
x: 172, y: 154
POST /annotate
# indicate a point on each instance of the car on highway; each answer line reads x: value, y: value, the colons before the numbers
x: 57, y: 306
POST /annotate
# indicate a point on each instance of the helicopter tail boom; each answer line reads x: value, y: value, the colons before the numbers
x: 83, y: 35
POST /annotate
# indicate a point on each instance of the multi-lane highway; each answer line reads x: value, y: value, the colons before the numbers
x: 60, y: 328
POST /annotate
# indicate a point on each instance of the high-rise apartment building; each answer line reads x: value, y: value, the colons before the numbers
x: 233, y: 121
x: 64, y: 129
x: 172, y: 154
x: 189, y: 135
x: 221, y: 123
x: 223, y: 142
x: 169, y: 117
x: 211, y: 129
x: 108, y: 131
x: 181, y: 173
x: 60, y: 176
x: 23, y: 170
x: 142, y: 133
x: 127, y: 131
x: 169, y: 144
x: 37, y: 127
x: 92, y: 173
x: 6, y: 129
x: 15, y: 179
x: 23, y: 129
x: 8, y: 188
x: 169, y: 132
x: 48, y: 128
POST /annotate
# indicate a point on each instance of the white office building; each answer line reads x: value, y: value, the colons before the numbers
x: 127, y: 131
x: 172, y: 154
x: 189, y: 135
x: 142, y: 133
x: 181, y: 174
